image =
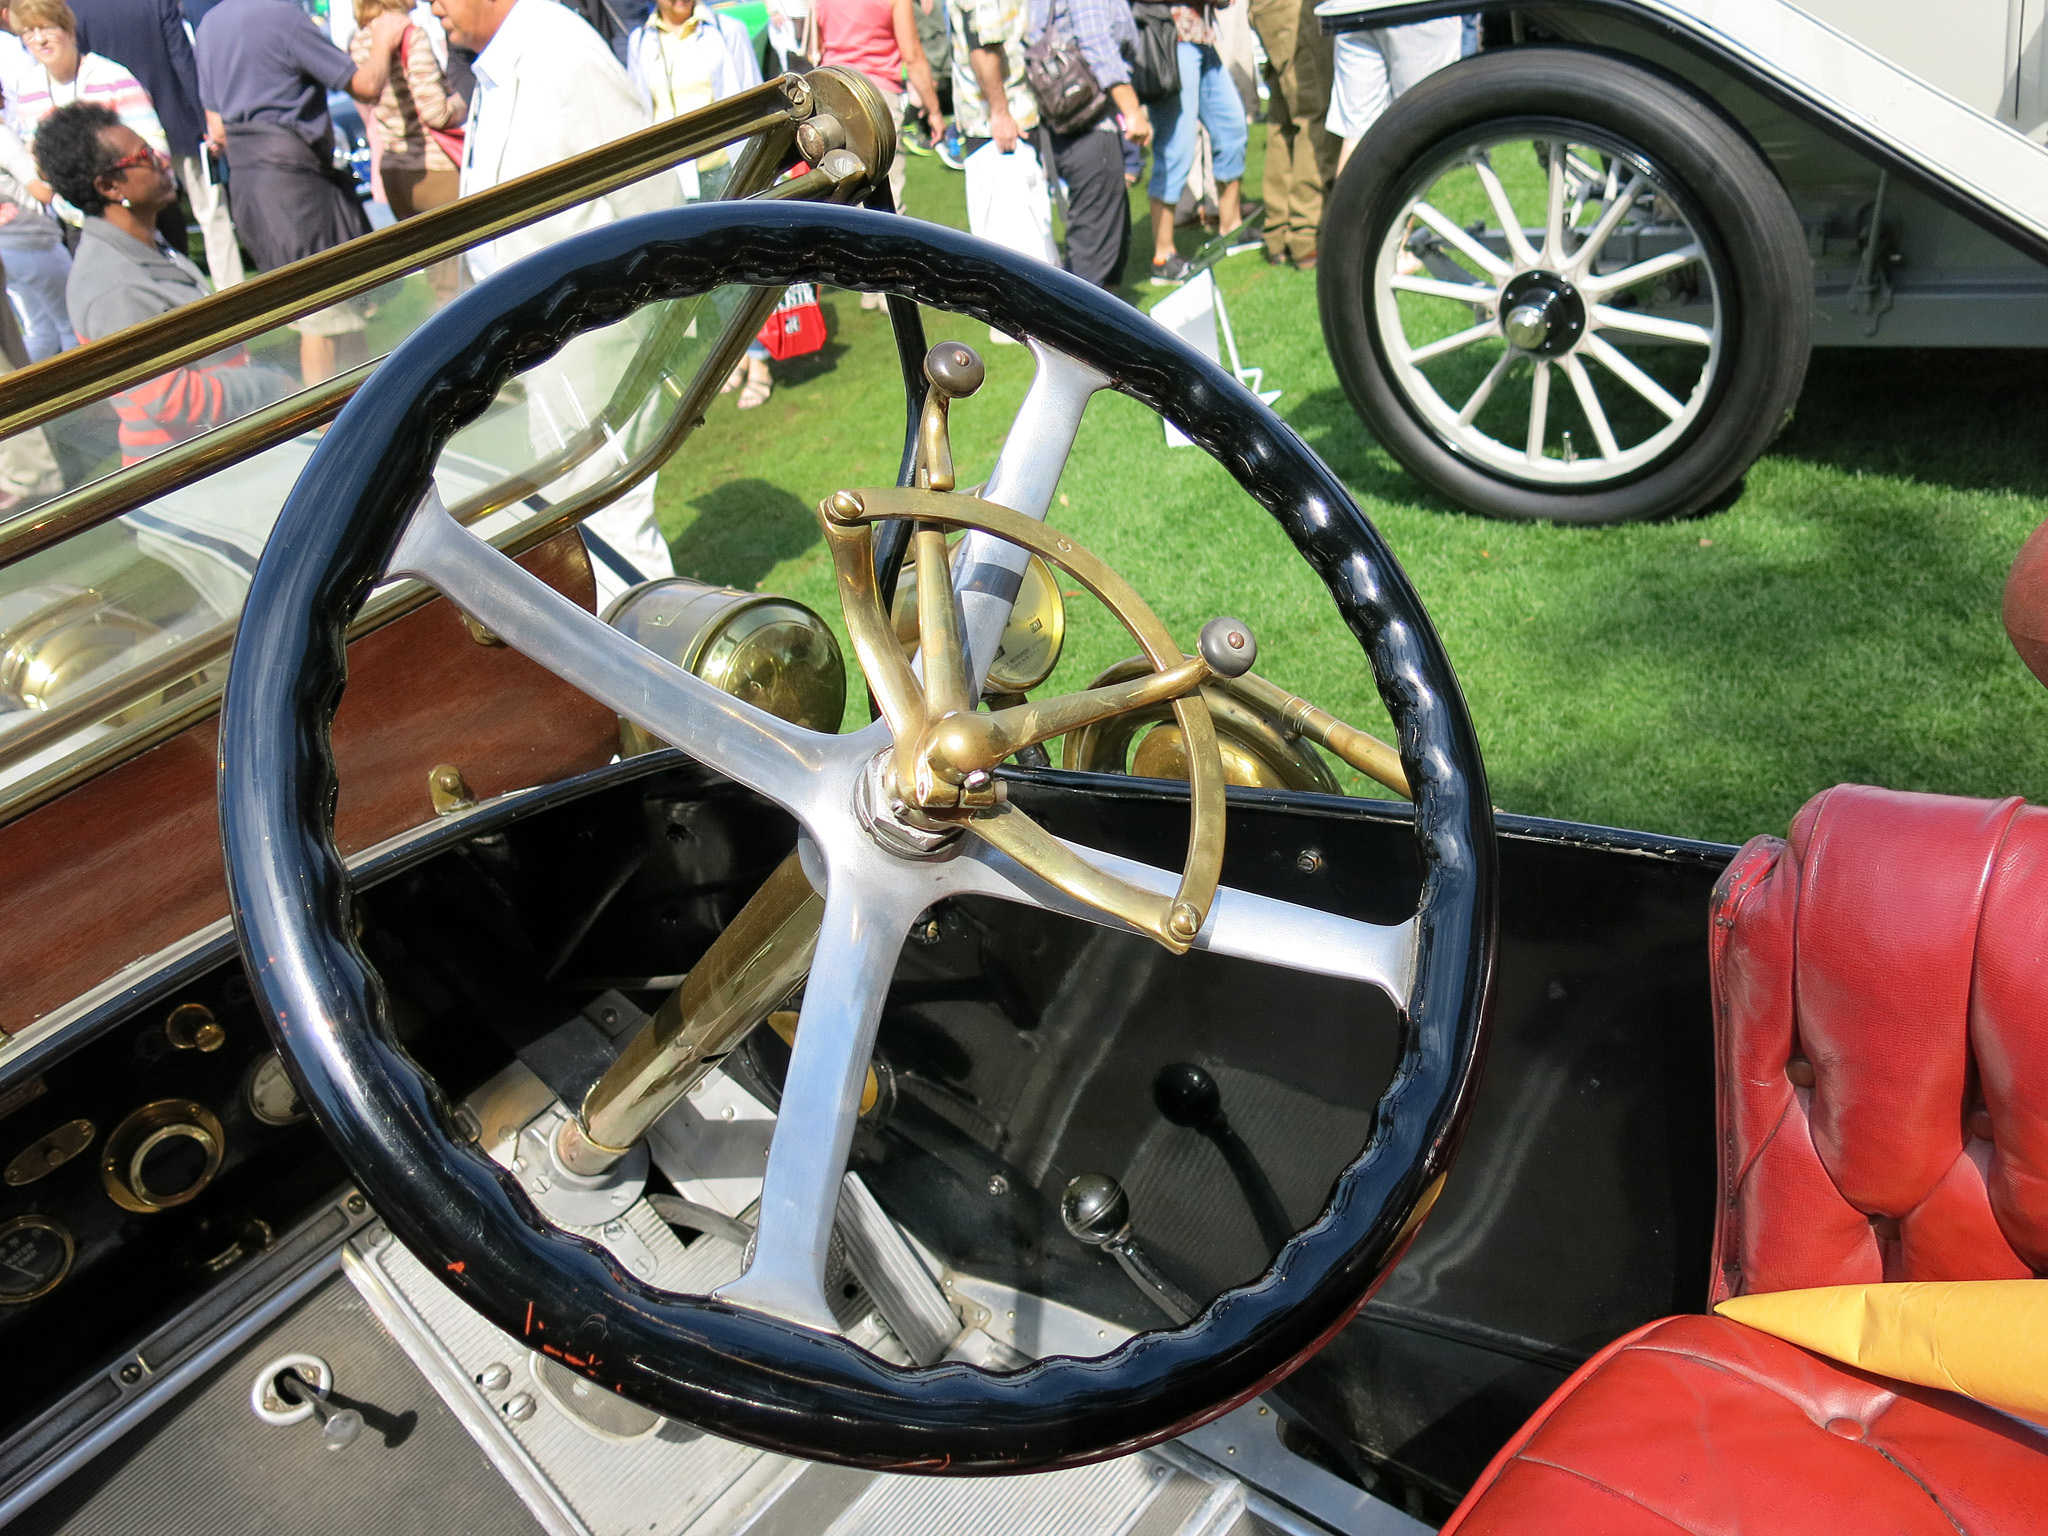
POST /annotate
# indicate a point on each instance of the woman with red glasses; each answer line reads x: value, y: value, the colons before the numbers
x: 124, y: 273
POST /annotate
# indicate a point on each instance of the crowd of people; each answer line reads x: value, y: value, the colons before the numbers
x: 121, y: 118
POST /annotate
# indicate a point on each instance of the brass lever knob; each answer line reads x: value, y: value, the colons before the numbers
x: 1228, y: 646
x: 954, y: 369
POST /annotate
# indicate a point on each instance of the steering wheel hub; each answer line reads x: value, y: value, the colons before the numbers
x: 896, y: 826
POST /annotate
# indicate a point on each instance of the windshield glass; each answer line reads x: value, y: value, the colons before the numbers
x: 129, y: 617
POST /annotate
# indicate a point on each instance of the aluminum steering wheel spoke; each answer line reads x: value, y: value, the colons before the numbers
x: 780, y: 760
x: 858, y: 940
x: 1240, y: 924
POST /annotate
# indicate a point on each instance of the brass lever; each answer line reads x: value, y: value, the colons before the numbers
x: 954, y: 371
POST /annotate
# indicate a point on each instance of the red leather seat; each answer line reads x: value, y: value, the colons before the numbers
x: 1881, y: 1001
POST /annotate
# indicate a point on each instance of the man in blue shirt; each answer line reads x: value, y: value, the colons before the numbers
x: 265, y: 69
x: 1091, y: 159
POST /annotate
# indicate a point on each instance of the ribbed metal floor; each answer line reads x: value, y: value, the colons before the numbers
x: 207, y: 1466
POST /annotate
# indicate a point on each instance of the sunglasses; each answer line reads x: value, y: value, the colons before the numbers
x: 143, y: 156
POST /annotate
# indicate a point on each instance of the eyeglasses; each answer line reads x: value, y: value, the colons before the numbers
x: 143, y: 156
x: 42, y: 34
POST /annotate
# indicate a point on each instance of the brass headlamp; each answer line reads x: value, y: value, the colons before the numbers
x: 771, y: 651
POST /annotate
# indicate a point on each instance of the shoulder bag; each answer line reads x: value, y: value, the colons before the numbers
x: 1155, y: 67
x: 1069, y: 97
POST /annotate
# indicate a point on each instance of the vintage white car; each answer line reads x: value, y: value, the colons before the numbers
x: 1576, y: 277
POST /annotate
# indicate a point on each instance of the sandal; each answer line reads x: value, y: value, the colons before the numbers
x: 759, y: 386
x: 734, y: 379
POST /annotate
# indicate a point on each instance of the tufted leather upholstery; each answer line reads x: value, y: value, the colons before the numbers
x: 1881, y: 990
x: 1881, y: 1020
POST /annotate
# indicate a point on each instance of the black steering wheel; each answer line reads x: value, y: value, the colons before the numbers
x: 739, y: 1363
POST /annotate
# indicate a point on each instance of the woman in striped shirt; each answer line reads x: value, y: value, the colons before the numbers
x: 63, y: 75
x: 60, y: 74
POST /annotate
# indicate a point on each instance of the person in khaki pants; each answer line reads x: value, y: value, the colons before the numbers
x: 1301, y: 156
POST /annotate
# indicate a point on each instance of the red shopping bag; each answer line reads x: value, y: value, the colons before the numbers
x: 797, y: 328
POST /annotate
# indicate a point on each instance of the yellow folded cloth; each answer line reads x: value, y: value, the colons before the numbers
x: 1986, y: 1339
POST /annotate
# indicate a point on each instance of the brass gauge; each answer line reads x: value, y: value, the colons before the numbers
x: 35, y: 1256
x: 269, y: 1093
x: 1030, y: 647
x: 769, y: 650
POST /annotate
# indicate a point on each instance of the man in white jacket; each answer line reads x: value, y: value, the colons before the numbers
x: 548, y: 88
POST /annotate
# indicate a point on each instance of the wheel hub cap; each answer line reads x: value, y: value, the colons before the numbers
x: 1542, y: 313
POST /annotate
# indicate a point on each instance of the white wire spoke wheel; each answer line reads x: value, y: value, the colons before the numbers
x: 1571, y: 337
x: 1557, y: 286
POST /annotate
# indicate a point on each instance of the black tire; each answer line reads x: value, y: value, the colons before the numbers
x: 1762, y: 272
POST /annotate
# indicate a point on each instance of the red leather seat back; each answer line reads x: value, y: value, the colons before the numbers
x: 1881, y: 1001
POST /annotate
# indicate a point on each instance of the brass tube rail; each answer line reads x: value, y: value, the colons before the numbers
x: 102, y: 500
x: 48, y: 389
x: 124, y: 490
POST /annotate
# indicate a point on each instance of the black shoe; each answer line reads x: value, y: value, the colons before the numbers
x: 1276, y: 258
x: 1174, y: 269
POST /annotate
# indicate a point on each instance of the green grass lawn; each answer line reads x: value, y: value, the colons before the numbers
x: 1838, y: 622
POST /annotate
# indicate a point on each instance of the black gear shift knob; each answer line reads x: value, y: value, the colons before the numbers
x: 1187, y: 1095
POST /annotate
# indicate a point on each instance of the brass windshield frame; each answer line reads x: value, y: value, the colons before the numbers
x: 768, y: 116
x: 46, y: 390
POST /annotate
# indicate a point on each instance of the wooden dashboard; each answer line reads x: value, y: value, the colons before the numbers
x: 130, y: 862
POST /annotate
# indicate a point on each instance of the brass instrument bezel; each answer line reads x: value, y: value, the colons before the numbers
x: 47, y: 1224
x: 256, y: 1070
x: 147, y: 1128
x: 1038, y: 602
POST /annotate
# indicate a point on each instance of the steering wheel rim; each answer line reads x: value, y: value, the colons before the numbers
x: 745, y: 1374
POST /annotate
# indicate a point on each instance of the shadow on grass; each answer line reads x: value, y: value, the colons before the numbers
x: 1968, y: 419
x: 1328, y: 424
x: 743, y: 529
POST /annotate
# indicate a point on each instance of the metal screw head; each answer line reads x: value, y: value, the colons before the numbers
x: 519, y: 1408
x: 131, y: 1373
x: 356, y: 1205
x: 1308, y: 861
x: 1095, y: 1209
x: 844, y: 507
x: 1227, y: 645
x: 495, y: 1377
x: 998, y: 1185
x: 1184, y: 922
x: 819, y: 136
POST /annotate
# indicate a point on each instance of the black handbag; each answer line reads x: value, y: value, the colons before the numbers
x: 1069, y: 97
x: 1155, y: 67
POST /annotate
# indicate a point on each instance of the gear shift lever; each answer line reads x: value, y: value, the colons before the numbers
x: 338, y: 1426
x: 1098, y: 1212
